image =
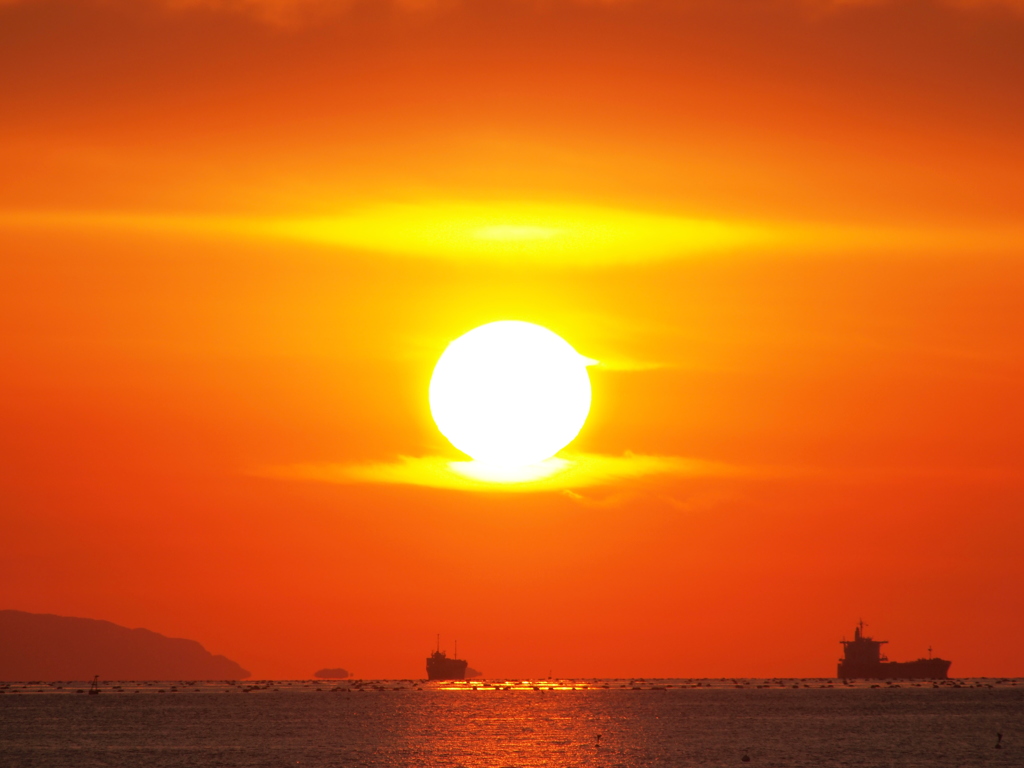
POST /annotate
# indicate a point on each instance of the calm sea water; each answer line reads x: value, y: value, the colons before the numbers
x: 406, y: 723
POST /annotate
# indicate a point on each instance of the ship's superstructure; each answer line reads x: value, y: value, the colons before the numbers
x: 863, y: 658
x: 440, y: 667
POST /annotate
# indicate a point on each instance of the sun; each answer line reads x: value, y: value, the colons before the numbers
x: 510, y: 393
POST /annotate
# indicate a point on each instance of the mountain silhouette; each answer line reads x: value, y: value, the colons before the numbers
x: 37, y: 646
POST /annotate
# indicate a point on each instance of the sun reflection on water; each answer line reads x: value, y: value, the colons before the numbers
x: 511, y: 685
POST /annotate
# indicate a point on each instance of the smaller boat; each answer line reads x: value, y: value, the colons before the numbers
x: 94, y: 689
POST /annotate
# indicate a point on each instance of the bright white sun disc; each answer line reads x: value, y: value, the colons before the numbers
x: 510, y: 393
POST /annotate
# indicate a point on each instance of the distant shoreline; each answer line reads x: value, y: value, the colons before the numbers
x: 498, y: 684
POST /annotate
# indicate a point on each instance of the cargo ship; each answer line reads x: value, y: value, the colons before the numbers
x: 862, y: 658
x: 440, y: 667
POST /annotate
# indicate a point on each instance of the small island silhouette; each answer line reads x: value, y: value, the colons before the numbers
x: 35, y: 646
x: 331, y: 673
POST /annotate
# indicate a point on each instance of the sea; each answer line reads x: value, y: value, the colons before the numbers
x: 498, y: 723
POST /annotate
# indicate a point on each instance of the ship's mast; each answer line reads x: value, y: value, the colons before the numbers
x: 438, y: 642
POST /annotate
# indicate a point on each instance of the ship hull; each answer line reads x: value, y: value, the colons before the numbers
x: 441, y: 668
x: 922, y: 669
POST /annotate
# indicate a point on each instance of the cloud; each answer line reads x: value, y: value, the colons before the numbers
x: 545, y: 234
x: 273, y: 11
x: 279, y: 7
x: 633, y: 365
x: 291, y: 11
x: 559, y: 474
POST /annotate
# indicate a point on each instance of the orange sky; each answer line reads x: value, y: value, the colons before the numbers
x: 236, y: 236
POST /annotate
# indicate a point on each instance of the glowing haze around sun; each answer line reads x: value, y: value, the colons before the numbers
x: 510, y: 393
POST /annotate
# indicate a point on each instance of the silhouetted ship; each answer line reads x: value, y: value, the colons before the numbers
x: 863, y: 659
x: 440, y: 667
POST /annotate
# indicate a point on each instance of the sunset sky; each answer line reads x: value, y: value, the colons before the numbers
x: 236, y: 235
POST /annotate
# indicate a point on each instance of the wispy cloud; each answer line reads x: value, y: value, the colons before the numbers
x: 632, y: 365
x: 546, y: 234
x: 559, y: 474
x: 582, y: 234
x: 293, y: 11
